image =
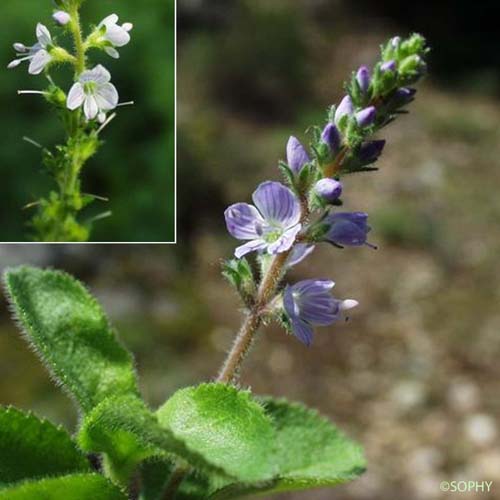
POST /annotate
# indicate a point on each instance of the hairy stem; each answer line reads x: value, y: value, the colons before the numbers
x: 252, y: 321
x: 76, y: 31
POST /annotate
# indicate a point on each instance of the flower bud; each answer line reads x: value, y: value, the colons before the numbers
x: 363, y: 78
x: 296, y: 155
x: 402, y: 96
x: 395, y: 41
x: 348, y: 229
x: 328, y: 189
x: 366, y: 116
x: 370, y: 151
x: 61, y: 17
x: 20, y: 47
x: 388, y: 66
x: 345, y: 108
x: 331, y: 137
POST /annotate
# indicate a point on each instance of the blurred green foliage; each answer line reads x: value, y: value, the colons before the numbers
x: 135, y: 167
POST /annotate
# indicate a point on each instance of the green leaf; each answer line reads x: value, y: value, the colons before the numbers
x: 310, y: 452
x: 74, y: 487
x: 128, y: 432
x: 225, y: 426
x: 71, y: 333
x: 33, y: 448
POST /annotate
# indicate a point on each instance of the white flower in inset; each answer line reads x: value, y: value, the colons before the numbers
x: 38, y: 54
x: 116, y: 35
x: 94, y: 91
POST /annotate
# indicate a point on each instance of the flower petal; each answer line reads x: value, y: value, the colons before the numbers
x: 43, y: 35
x: 285, y: 241
x: 99, y: 74
x: 277, y: 204
x: 111, y: 19
x: 111, y: 51
x: 299, y: 253
x: 302, y: 331
x: 106, y: 96
x: 117, y: 35
x: 90, y: 107
x: 242, y: 221
x: 76, y: 96
x: 251, y: 246
x: 39, y: 61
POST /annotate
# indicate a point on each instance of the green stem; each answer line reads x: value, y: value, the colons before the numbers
x: 76, y: 31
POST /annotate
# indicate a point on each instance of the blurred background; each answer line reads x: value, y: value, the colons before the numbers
x: 414, y: 375
x: 135, y: 166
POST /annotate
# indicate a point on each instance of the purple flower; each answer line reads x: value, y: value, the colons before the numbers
x: 309, y: 303
x: 348, y: 228
x: 331, y: 137
x: 328, y: 189
x: 271, y: 225
x: 363, y: 78
x: 345, y: 108
x: 296, y: 155
x: 388, y: 66
x: 366, y: 116
x: 371, y: 150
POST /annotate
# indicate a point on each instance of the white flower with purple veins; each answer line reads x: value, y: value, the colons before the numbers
x: 271, y: 225
x: 309, y: 303
x: 94, y: 92
x: 116, y: 35
x: 38, y: 54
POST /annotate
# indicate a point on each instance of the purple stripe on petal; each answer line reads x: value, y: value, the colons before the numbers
x: 242, y: 221
x: 302, y: 331
x: 277, y: 204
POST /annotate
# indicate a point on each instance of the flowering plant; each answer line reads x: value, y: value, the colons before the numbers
x: 215, y: 440
x: 84, y: 109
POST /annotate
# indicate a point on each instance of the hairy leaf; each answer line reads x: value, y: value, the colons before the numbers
x: 33, y: 448
x: 74, y: 487
x: 128, y: 432
x: 225, y: 426
x: 310, y: 452
x: 71, y: 333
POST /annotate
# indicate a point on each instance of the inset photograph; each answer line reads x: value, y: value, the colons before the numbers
x: 88, y: 141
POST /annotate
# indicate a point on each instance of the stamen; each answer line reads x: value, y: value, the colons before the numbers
x: 106, y: 123
x: 33, y: 142
x: 21, y: 92
x: 128, y: 103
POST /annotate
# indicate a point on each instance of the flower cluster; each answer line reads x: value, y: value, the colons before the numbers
x: 84, y: 110
x: 285, y: 222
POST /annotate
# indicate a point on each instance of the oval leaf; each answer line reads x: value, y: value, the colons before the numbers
x: 71, y: 333
x: 223, y: 425
x: 309, y: 450
x: 33, y: 448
